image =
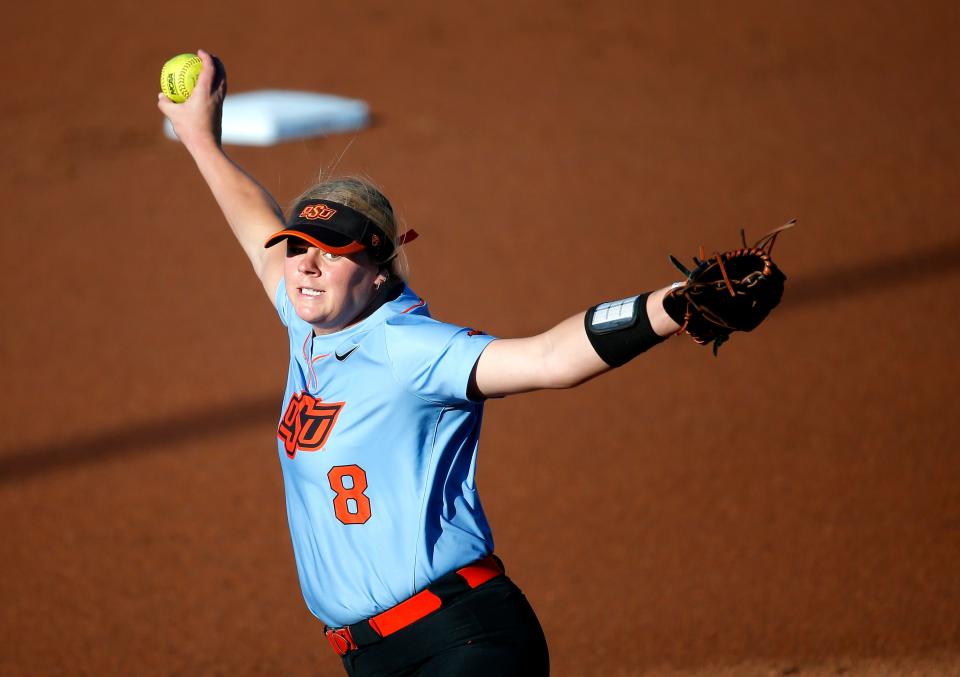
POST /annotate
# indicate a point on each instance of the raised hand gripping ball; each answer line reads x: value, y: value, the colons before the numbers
x: 179, y: 76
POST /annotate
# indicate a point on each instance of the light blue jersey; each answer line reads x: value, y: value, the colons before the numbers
x: 378, y: 444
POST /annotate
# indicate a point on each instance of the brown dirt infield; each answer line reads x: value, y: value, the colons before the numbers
x: 792, y: 507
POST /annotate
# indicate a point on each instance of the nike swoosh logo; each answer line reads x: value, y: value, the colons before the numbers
x: 346, y: 354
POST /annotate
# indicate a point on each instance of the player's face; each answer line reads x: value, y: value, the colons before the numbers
x: 328, y: 291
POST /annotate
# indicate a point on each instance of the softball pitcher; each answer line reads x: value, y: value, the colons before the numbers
x: 380, y: 421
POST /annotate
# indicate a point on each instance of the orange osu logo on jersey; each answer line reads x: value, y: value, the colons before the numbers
x: 307, y: 423
x: 318, y: 211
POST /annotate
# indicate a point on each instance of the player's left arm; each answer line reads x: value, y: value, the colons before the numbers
x: 564, y: 356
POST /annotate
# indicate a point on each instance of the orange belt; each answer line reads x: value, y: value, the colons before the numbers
x: 422, y: 604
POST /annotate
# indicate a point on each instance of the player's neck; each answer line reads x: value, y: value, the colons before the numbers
x: 387, y: 292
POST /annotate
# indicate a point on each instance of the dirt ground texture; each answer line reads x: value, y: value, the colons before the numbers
x: 791, y: 507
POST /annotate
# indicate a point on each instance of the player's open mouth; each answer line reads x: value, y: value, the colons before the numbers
x: 306, y: 291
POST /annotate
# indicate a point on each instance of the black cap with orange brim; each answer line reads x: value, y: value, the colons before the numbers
x: 338, y: 229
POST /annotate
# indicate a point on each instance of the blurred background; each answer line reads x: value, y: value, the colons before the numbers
x: 792, y: 506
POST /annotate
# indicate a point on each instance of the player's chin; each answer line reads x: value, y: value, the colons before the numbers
x: 311, y: 310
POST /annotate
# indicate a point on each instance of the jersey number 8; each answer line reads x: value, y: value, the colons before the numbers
x: 351, y: 505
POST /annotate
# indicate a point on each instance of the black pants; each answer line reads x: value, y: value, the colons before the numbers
x: 490, y: 631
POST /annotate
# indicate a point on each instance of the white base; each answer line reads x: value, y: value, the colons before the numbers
x: 269, y: 116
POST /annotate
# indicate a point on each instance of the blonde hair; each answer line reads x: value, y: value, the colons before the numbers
x: 362, y: 195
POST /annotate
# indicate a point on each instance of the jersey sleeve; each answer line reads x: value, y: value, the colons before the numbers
x: 283, y: 304
x: 434, y: 360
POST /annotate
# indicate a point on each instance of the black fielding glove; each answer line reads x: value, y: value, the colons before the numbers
x: 727, y: 292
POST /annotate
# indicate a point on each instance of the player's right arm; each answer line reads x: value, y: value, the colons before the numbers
x: 251, y: 212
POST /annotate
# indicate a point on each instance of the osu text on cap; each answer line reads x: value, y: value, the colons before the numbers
x: 318, y: 211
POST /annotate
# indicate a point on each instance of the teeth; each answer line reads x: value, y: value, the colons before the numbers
x: 309, y: 292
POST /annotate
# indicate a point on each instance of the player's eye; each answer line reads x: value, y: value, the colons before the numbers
x: 330, y: 256
x: 295, y: 249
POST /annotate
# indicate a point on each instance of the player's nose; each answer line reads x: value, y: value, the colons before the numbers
x: 309, y: 263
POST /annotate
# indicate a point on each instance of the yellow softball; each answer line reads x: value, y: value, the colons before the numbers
x: 179, y: 76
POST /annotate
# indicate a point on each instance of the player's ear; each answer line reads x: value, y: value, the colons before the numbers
x: 381, y: 277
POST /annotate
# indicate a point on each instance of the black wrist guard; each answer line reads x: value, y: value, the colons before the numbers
x: 621, y: 330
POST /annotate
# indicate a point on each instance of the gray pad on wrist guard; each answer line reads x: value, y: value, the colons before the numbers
x: 621, y: 330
